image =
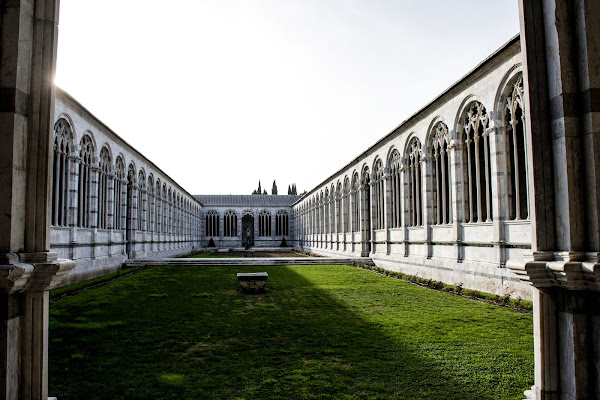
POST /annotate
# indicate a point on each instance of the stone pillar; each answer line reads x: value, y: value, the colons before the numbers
x: 426, y: 200
x: 456, y: 193
x: 73, y: 191
x: 372, y: 211
x: 498, y: 159
x: 560, y: 41
x: 387, y: 202
x: 28, y: 269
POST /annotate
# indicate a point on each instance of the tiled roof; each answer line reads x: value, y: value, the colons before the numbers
x: 247, y: 200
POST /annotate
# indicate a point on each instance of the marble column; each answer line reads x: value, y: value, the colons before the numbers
x: 28, y: 269
x: 560, y: 42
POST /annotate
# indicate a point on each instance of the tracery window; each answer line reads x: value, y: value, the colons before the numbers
x: 414, y: 183
x: 440, y: 174
x: 346, y: 205
x: 141, y: 224
x: 367, y: 212
x: 313, y: 216
x: 355, y: 203
x: 326, y: 201
x: 158, y: 206
x: 230, y: 223
x: 338, y: 208
x: 130, y: 199
x: 378, y: 196
x: 518, y: 199
x: 331, y: 205
x: 150, y: 205
x: 85, y: 183
x: 103, y: 174
x: 118, y: 179
x: 281, y: 224
x: 61, y: 173
x: 476, y: 157
x: 212, y: 223
x: 264, y: 223
x: 395, y: 192
x: 176, y: 209
x: 169, y: 212
x: 164, y: 208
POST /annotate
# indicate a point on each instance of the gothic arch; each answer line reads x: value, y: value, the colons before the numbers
x: 378, y: 195
x: 212, y: 223
x: 88, y: 134
x: 68, y: 121
x: 394, y: 163
x: 513, y: 143
x: 61, y: 172
x: 472, y: 135
x: 264, y: 223
x: 104, y: 173
x: 504, y: 89
x: 230, y: 222
x: 84, y: 203
x: 413, y: 186
x: 440, y: 172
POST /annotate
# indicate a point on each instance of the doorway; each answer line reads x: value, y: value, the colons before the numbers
x: 247, y: 230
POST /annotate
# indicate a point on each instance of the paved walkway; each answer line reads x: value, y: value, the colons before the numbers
x: 249, y: 261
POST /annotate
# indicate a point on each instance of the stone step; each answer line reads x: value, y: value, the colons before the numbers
x: 259, y: 261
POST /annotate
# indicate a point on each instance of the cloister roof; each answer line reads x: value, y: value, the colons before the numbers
x: 248, y: 200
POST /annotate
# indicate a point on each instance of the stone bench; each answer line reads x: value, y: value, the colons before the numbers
x: 252, y: 282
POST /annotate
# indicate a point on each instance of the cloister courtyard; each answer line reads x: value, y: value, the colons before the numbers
x: 317, y: 332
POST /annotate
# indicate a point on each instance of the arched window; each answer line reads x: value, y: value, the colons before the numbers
x: 440, y: 174
x: 346, y: 206
x: 366, y: 211
x: 331, y: 205
x: 158, y: 206
x: 212, y: 224
x: 230, y: 223
x: 175, y: 213
x: 476, y: 157
x: 141, y: 223
x: 338, y: 208
x: 378, y: 196
x: 118, y: 193
x: 85, y: 181
x: 264, y: 223
x: 355, y: 203
x: 103, y: 174
x: 326, y: 201
x: 131, y: 200
x: 517, y: 167
x: 281, y: 224
x: 395, y: 192
x: 61, y: 173
x: 414, y: 183
x: 150, y: 206
x: 165, y: 208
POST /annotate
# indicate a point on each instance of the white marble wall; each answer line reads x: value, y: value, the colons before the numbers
x: 98, y: 251
x: 471, y: 253
x: 231, y: 242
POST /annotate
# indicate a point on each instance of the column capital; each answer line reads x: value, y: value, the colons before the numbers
x: 34, y: 272
x: 566, y: 273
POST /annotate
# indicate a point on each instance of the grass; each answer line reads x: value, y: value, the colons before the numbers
x: 319, y: 332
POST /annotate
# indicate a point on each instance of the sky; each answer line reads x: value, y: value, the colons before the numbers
x: 220, y: 94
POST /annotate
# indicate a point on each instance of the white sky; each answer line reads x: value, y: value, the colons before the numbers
x: 222, y: 93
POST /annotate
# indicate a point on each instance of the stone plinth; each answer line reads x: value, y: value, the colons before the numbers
x: 253, y: 282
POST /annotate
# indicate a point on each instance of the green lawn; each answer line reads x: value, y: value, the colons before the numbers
x: 320, y: 332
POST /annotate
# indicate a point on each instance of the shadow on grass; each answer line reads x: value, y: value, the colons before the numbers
x: 318, y: 333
